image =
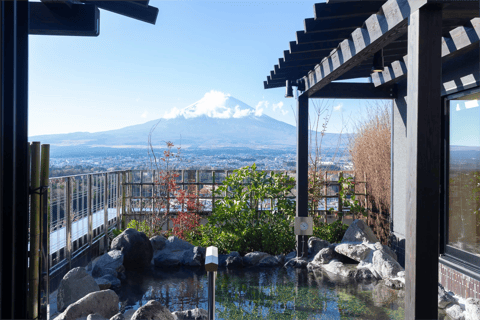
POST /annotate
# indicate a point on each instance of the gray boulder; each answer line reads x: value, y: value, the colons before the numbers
x: 234, y: 262
x: 136, y: 248
x: 455, y: 312
x: 95, y: 316
x: 387, y: 249
x: 114, y: 282
x: 176, y: 244
x: 194, y: 314
x: 153, y: 310
x: 194, y: 257
x: 325, y: 255
x: 76, y: 284
x: 158, y: 242
x: 385, y: 265
x: 315, y: 245
x: 165, y: 258
x: 128, y: 314
x: 359, y: 232
x: 394, y: 284
x: 118, y: 316
x: 280, y: 258
x: 104, y: 303
x: 357, y: 252
x: 269, y: 261
x: 444, y: 298
x: 291, y: 255
x: 103, y: 283
x: 472, y: 309
x: 253, y: 258
x: 299, y: 263
x: 347, y: 270
x: 109, y: 263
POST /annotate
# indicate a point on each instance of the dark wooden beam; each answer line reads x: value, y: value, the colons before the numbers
x: 129, y: 9
x: 270, y: 86
x: 379, y: 30
x: 59, y: 19
x: 459, y: 40
x: 335, y: 11
x: 345, y: 90
x: 333, y: 25
x: 302, y: 169
x: 424, y: 141
x: 303, y: 37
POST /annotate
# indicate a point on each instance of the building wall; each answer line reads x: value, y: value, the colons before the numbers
x: 459, y: 73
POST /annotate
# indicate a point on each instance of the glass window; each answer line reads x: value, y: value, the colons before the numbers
x: 464, y: 174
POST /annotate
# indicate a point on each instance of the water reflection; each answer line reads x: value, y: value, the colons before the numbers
x: 265, y: 294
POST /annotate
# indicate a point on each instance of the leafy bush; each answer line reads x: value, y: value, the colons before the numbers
x: 142, y: 227
x: 332, y: 232
x: 237, y: 225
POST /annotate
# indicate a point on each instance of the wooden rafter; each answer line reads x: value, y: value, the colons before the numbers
x: 460, y: 38
x: 379, y: 30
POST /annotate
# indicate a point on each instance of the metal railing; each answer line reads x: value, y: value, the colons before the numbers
x: 84, y: 208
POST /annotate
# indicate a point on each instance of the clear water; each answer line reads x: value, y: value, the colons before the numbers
x: 277, y: 293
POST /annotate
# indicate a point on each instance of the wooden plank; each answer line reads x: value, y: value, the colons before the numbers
x: 345, y: 90
x: 333, y: 25
x: 303, y: 37
x: 379, y: 30
x: 129, y: 9
x: 460, y: 39
x: 424, y: 141
x: 63, y: 20
x: 335, y: 11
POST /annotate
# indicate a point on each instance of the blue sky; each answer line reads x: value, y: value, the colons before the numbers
x: 135, y: 72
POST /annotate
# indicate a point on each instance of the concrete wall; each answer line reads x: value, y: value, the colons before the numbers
x: 459, y: 73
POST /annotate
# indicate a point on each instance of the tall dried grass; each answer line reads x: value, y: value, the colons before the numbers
x: 370, y: 151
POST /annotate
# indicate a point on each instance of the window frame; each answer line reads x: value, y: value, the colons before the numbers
x: 455, y: 258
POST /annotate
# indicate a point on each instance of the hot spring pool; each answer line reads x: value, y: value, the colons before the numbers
x: 272, y: 293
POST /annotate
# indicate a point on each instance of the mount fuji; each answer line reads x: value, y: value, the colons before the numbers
x: 216, y: 121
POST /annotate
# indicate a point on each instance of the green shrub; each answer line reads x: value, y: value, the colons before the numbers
x: 142, y: 227
x: 236, y: 225
x: 332, y: 232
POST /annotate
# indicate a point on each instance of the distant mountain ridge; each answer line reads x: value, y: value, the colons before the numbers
x: 213, y: 122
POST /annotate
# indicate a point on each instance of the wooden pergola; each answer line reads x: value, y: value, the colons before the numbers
x: 415, y: 36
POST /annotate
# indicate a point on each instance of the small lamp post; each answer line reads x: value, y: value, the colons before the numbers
x: 211, y: 265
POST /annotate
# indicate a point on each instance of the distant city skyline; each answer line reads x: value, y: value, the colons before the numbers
x: 134, y: 72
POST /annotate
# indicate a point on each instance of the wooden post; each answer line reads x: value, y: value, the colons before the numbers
x: 302, y: 169
x: 423, y: 166
x: 45, y: 232
x: 35, y: 210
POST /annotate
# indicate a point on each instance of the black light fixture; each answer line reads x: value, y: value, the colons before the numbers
x: 378, y: 63
x: 289, y: 87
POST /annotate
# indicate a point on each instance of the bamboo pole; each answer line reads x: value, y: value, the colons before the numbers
x: 34, y: 265
x: 45, y: 232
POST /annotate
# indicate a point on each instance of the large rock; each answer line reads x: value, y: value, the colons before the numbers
x: 385, y: 265
x: 158, y: 242
x: 455, y: 312
x: 387, y: 249
x: 234, y: 262
x: 269, y: 261
x: 315, y: 245
x: 444, y: 298
x: 194, y: 314
x: 253, y: 258
x: 299, y: 263
x: 118, y: 316
x: 325, y: 255
x: 357, y: 252
x: 472, y: 309
x: 176, y: 244
x: 129, y: 314
x: 194, y: 257
x: 347, y: 270
x: 359, y: 232
x: 95, y: 316
x: 109, y: 263
x: 153, y: 310
x: 136, y: 248
x: 104, y: 303
x: 166, y: 258
x: 76, y: 284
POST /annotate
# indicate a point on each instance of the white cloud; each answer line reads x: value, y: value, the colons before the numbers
x: 338, y: 107
x: 239, y: 113
x: 284, y: 112
x: 471, y: 104
x: 144, y: 115
x: 258, y: 112
x: 172, y: 113
x: 276, y: 106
